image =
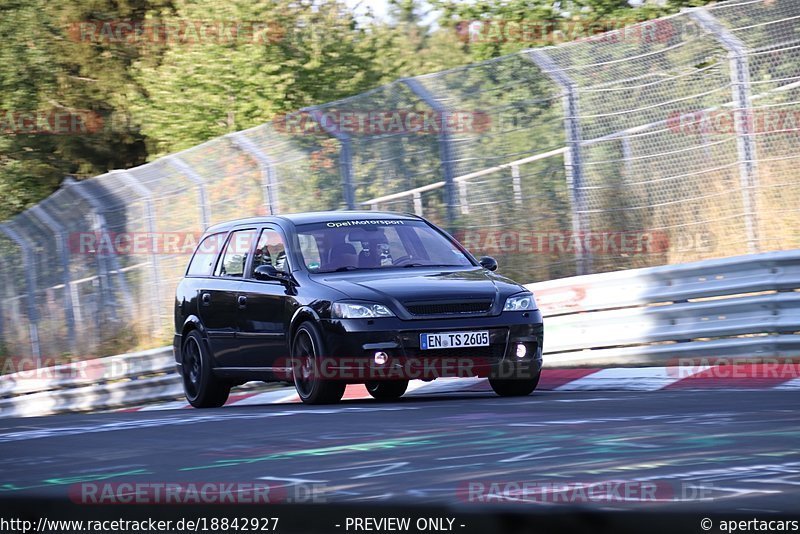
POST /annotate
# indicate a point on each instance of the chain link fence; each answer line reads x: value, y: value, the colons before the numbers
x: 665, y: 142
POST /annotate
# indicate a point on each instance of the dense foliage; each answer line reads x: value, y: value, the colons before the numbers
x: 140, y: 92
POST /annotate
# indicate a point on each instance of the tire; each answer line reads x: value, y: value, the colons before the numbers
x: 387, y: 389
x: 507, y: 387
x: 307, y: 350
x: 201, y: 387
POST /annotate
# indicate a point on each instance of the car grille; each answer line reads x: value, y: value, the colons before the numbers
x: 448, y: 308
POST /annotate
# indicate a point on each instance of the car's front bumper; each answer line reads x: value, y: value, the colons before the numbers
x: 351, y: 345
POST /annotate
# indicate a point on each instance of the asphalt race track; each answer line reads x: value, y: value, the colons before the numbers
x: 723, y: 450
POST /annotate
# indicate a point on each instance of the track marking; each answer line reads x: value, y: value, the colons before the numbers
x: 633, y: 378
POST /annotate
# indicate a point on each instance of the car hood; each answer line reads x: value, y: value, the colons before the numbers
x: 424, y: 285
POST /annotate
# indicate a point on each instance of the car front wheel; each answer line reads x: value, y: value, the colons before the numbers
x: 387, y: 389
x: 509, y: 387
x: 307, y: 352
x: 202, y: 388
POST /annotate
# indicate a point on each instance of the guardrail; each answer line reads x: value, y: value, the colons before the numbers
x: 739, y: 307
x: 104, y: 383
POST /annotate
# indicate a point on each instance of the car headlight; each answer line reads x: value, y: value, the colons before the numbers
x: 349, y: 310
x: 521, y: 302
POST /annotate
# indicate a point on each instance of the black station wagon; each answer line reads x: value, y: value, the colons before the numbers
x: 330, y: 298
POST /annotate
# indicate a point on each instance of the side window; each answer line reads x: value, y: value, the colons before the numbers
x: 235, y: 256
x: 270, y: 250
x: 205, y: 255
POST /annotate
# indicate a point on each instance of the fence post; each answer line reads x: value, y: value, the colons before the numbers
x: 463, y: 191
x: 445, y: 148
x: 63, y: 251
x: 743, y: 123
x: 573, y: 160
x: 30, y: 283
x: 101, y: 227
x: 516, y: 184
x: 185, y: 168
x: 345, y: 156
x: 627, y: 155
x: 417, y: 197
x: 150, y: 221
x: 268, y: 181
x: 3, y: 296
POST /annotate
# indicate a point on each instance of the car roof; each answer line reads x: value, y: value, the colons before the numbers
x: 313, y: 217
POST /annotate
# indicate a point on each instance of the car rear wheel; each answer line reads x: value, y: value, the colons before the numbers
x: 202, y: 388
x: 509, y: 387
x: 306, y: 353
x: 387, y: 389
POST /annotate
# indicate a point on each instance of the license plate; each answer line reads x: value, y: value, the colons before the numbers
x: 450, y: 340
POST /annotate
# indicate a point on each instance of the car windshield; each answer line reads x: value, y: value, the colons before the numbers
x: 338, y: 246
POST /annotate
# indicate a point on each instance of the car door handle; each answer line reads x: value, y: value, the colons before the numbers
x: 242, y: 300
x: 206, y: 299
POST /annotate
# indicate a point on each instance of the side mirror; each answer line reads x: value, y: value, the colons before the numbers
x: 269, y: 272
x: 488, y: 262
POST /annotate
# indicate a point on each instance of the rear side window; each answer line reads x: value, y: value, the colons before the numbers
x: 270, y: 250
x: 205, y: 255
x: 234, y: 257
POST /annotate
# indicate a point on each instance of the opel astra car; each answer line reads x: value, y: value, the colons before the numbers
x: 331, y: 298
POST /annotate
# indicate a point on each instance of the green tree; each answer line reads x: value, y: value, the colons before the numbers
x: 410, y: 43
x: 45, y: 68
x: 309, y: 54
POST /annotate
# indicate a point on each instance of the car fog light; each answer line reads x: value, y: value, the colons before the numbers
x: 521, y: 350
x: 381, y: 357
